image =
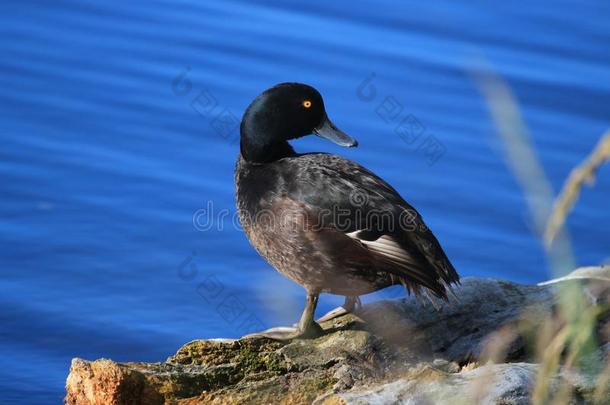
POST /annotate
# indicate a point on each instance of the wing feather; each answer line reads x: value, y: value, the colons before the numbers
x: 412, y: 254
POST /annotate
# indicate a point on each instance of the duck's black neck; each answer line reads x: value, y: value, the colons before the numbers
x: 267, y: 153
x: 263, y: 140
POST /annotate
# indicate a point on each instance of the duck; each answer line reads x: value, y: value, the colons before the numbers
x: 326, y: 222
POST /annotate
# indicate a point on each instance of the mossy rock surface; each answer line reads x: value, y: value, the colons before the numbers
x: 394, y: 351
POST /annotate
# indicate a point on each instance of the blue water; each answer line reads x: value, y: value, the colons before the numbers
x: 106, y: 154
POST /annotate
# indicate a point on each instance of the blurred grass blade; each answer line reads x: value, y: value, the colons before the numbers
x: 523, y: 162
x: 585, y: 173
x: 573, y: 340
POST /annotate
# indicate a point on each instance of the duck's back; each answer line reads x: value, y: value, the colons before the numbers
x: 337, y: 213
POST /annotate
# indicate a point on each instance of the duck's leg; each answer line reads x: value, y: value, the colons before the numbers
x: 306, y: 328
x: 351, y: 305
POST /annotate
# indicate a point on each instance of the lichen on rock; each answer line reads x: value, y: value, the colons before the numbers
x: 390, y: 352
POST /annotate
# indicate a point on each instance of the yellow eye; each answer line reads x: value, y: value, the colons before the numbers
x: 306, y: 103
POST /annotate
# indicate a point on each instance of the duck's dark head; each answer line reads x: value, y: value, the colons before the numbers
x: 283, y: 112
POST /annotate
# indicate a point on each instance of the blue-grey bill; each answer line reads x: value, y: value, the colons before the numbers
x: 328, y: 130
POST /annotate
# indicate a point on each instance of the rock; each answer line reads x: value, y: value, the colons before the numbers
x: 391, y: 352
x: 490, y: 384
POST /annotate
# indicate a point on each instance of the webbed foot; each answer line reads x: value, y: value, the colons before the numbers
x: 285, y: 333
x: 333, y: 314
x: 352, y: 305
x: 306, y: 329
